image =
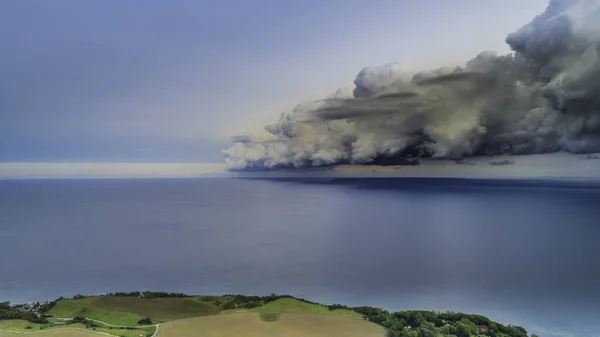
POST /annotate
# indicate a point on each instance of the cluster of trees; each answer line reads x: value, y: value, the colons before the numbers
x: 419, y: 323
x: 145, y: 321
x: 80, y: 319
x: 149, y: 294
x: 12, y: 312
x: 125, y: 294
x: 160, y: 294
x: 236, y: 301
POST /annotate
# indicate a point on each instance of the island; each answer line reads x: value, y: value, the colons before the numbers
x: 163, y: 314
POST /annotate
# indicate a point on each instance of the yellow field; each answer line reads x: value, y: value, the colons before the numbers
x: 289, y: 325
x: 55, y: 333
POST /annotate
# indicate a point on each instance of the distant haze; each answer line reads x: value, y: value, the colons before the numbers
x: 554, y: 165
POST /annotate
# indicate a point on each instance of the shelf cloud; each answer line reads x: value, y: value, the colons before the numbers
x: 544, y: 97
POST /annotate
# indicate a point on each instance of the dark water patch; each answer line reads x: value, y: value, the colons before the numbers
x: 418, y: 183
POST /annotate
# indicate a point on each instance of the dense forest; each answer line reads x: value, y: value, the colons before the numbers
x: 418, y: 323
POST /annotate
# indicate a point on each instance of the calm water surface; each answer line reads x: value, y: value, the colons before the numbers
x: 529, y: 256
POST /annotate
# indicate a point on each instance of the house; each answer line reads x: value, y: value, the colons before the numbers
x: 482, y: 328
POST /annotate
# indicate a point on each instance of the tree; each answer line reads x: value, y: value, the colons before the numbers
x: 145, y: 321
x: 80, y: 319
x: 466, y: 328
x: 393, y: 333
x: 228, y: 306
x: 427, y: 330
x: 416, y: 318
x: 534, y: 335
x: 408, y: 333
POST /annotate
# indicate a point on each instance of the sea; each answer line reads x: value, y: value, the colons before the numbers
x: 519, y: 253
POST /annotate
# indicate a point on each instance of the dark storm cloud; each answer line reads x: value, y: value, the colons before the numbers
x: 545, y: 97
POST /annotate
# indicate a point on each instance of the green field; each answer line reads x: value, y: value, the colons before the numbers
x: 292, y: 305
x: 159, y: 309
x: 21, y: 326
x: 86, y: 308
x: 59, y: 333
x: 129, y: 310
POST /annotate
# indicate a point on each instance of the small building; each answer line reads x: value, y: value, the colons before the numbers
x: 482, y: 328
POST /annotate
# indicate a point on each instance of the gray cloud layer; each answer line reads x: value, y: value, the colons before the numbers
x: 544, y: 97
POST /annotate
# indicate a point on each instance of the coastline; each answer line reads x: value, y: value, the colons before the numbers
x: 146, y: 308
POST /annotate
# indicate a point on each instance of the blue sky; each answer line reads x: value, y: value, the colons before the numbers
x: 172, y: 80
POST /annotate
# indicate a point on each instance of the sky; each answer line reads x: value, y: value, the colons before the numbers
x: 173, y: 80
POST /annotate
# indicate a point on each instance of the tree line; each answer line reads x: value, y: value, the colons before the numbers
x: 140, y: 294
x: 149, y: 294
x: 237, y: 301
x: 421, y: 323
